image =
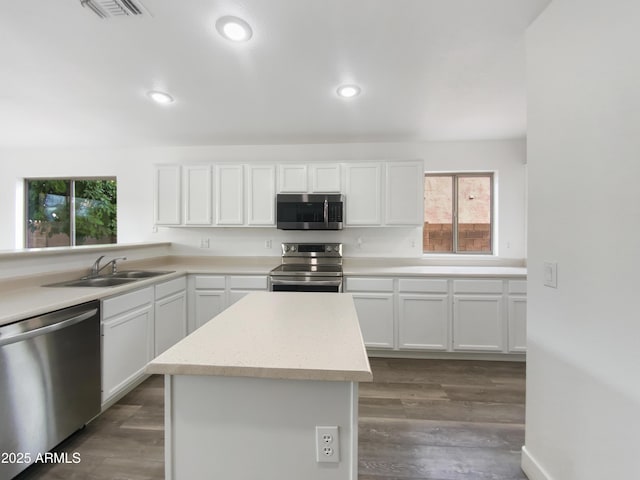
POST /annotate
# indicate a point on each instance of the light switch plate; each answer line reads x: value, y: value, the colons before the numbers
x: 551, y: 274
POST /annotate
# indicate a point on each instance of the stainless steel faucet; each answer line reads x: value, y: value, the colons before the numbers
x: 96, y: 268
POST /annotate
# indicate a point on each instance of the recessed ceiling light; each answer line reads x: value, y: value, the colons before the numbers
x: 348, y: 91
x: 160, y: 97
x: 234, y: 29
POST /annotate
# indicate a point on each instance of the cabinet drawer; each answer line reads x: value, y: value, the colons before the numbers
x: 477, y: 286
x: 209, y: 282
x: 517, y: 286
x: 128, y: 301
x: 172, y: 286
x: 250, y: 282
x: 358, y: 284
x: 423, y: 285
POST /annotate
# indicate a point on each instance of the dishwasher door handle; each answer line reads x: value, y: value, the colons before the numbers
x: 6, y: 340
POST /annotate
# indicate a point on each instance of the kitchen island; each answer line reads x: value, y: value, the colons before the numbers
x: 245, y: 392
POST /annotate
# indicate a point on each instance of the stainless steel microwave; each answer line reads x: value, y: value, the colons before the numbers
x: 296, y: 211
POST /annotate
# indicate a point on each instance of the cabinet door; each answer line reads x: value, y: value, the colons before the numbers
x: 208, y: 303
x: 375, y: 314
x: 229, y: 194
x: 127, y: 347
x: 261, y: 195
x: 478, y: 323
x: 325, y: 178
x: 423, y: 322
x: 170, y: 321
x: 167, y: 195
x: 363, y: 194
x: 292, y: 179
x: 404, y: 196
x: 517, y: 323
x: 235, y: 295
x: 197, y: 194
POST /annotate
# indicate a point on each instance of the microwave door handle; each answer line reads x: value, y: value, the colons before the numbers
x: 326, y: 212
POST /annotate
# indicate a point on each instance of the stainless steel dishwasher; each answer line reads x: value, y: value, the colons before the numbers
x: 49, y: 382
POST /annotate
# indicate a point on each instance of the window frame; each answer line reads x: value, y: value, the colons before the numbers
x: 454, y: 221
x: 72, y: 205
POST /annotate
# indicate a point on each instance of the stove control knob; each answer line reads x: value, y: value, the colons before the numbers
x: 286, y: 248
x: 293, y: 248
x: 329, y: 248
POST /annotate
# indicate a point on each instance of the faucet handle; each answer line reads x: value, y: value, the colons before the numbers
x: 114, y: 268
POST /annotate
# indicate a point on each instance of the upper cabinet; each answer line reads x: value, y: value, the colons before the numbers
x: 229, y: 194
x: 325, y: 178
x: 315, y: 178
x: 293, y: 179
x: 363, y: 194
x: 404, y: 193
x: 197, y: 194
x: 167, y: 201
x: 261, y: 194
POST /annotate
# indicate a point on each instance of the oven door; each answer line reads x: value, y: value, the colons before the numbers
x: 306, y: 284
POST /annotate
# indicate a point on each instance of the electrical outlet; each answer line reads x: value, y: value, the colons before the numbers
x: 204, y: 243
x: 267, y: 244
x: 327, y: 444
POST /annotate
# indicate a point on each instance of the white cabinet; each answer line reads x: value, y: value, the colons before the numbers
x: 167, y: 195
x: 170, y: 313
x: 423, y: 314
x: 404, y: 193
x: 197, y: 194
x: 261, y: 194
x: 374, y: 302
x: 325, y: 178
x: 517, y: 315
x: 211, y: 294
x: 229, y: 180
x: 241, y: 285
x: 313, y: 178
x: 127, y: 340
x: 363, y: 194
x: 293, y: 178
x: 209, y: 298
x: 478, y: 321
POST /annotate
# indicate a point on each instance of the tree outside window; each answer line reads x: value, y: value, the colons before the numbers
x: 67, y: 212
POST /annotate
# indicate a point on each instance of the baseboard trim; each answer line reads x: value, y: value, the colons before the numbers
x: 489, y: 356
x: 532, y: 468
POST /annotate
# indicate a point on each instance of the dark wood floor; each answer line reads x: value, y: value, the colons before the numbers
x: 419, y: 419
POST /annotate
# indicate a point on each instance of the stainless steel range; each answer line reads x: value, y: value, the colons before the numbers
x: 308, y: 267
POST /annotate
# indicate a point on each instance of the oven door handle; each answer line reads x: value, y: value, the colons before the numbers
x: 330, y: 283
x: 326, y: 212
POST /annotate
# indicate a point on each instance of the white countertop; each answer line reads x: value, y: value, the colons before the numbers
x: 24, y: 297
x: 286, y: 335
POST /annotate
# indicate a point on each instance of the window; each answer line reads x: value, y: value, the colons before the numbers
x: 458, y: 213
x: 67, y: 212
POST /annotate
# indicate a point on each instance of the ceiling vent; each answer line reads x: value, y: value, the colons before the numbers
x: 114, y: 8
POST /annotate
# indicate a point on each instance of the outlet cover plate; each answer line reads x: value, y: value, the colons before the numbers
x: 327, y: 444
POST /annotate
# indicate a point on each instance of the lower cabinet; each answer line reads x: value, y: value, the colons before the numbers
x: 170, y: 314
x: 517, y: 323
x: 241, y: 285
x: 127, y: 340
x: 375, y: 314
x: 423, y: 321
x: 441, y: 314
x: 374, y: 302
x: 478, y: 323
x: 211, y: 294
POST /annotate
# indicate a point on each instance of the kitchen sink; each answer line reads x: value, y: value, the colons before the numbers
x: 112, y: 280
x: 137, y: 274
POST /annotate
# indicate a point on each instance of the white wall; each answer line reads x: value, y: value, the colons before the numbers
x: 133, y: 167
x: 583, y: 361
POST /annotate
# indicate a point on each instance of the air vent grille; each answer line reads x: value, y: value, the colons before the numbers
x: 114, y: 8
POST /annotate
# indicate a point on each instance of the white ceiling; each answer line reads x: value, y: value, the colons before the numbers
x: 429, y: 70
